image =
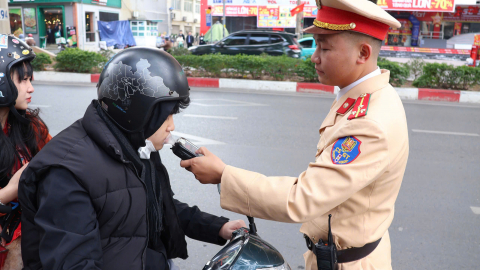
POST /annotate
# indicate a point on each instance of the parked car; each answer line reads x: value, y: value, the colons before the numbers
x: 253, y: 42
x: 308, y: 46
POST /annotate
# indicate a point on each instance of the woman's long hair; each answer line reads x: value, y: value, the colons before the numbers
x: 22, y: 140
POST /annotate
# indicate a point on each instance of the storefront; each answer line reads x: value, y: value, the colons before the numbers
x: 45, y: 19
x: 258, y: 14
x: 423, y: 23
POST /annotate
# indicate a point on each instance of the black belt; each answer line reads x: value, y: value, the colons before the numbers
x: 348, y: 255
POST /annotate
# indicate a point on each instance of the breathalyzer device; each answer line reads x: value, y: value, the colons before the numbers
x: 185, y: 149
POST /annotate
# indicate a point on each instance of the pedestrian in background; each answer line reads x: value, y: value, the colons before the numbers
x: 181, y: 35
x: 30, y: 41
x: 180, y: 41
x: 202, y: 39
x: 167, y: 45
x: 23, y: 135
x: 190, y: 40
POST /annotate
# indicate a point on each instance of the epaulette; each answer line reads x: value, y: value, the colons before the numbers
x: 346, y: 106
x: 361, y: 107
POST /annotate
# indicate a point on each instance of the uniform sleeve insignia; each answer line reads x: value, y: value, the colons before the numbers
x: 345, y: 150
x: 361, y: 107
x: 346, y: 106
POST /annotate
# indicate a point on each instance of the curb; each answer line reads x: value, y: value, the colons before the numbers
x: 69, y: 77
x: 404, y: 93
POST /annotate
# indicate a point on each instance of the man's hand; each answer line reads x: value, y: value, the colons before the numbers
x: 229, y: 227
x: 207, y: 169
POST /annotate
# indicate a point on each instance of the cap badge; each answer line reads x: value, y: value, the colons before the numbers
x: 15, y: 41
x: 15, y: 55
x: 25, y: 52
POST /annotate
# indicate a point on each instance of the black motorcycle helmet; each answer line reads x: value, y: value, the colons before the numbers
x: 134, y: 81
x: 12, y: 51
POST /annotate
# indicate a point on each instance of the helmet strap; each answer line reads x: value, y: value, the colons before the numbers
x: 19, y: 117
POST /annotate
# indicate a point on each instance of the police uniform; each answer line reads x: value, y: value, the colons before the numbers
x: 359, y: 164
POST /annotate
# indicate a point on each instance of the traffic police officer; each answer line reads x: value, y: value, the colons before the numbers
x: 361, y: 155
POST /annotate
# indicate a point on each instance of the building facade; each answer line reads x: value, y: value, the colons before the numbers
x: 185, y: 16
x: 424, y: 23
x: 75, y: 19
x: 148, y: 19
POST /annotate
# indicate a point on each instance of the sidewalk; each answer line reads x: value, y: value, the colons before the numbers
x: 404, y: 93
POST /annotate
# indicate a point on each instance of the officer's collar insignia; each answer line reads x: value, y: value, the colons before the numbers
x: 345, y: 150
x: 346, y: 106
x: 361, y: 107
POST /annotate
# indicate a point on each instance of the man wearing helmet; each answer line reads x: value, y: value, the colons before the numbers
x: 96, y: 198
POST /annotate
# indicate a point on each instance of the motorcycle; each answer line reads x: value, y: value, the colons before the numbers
x: 247, y: 251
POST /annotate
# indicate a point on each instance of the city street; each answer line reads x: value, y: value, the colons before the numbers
x: 437, y: 218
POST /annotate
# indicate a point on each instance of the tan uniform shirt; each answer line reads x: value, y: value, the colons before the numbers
x: 359, y: 194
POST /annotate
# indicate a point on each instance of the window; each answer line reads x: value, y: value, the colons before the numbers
x: 177, y: 4
x: 197, y: 8
x: 89, y: 27
x: 236, y: 40
x: 108, y: 17
x: 258, y: 39
x: 15, y: 15
x: 307, y: 43
x: 188, y: 5
x: 276, y: 39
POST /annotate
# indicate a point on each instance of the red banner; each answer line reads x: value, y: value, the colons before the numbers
x: 235, y: 11
x: 424, y: 50
x: 418, y: 5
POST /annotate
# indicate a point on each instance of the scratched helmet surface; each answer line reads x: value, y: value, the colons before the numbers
x: 135, y: 80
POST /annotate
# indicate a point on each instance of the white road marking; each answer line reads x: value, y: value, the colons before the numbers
x: 225, y: 103
x: 475, y: 210
x: 210, y: 116
x: 200, y: 141
x: 446, y: 133
x: 40, y: 106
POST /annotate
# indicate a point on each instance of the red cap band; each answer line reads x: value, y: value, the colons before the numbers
x: 334, y: 19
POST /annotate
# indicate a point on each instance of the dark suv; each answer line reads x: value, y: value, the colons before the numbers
x: 253, y: 42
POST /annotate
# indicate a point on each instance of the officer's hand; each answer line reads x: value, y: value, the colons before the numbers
x: 207, y: 169
x: 229, y: 227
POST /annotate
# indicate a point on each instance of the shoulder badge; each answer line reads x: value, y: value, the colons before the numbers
x: 346, y: 106
x: 361, y: 107
x: 345, y: 150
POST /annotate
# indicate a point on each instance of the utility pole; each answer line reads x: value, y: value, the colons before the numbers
x: 4, y: 17
x: 223, y: 35
x: 299, y: 24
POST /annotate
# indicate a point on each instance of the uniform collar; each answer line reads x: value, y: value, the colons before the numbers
x: 369, y: 85
x: 345, y: 90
